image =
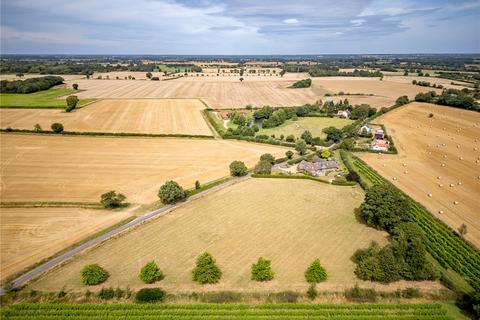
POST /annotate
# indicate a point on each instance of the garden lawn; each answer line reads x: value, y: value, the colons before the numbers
x: 51, y: 98
x: 313, y: 124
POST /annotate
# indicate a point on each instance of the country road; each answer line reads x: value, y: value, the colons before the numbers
x: 37, y: 271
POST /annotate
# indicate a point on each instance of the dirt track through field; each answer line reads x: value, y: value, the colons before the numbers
x: 29, y: 235
x: 152, y: 116
x: 62, y: 168
x: 438, y: 162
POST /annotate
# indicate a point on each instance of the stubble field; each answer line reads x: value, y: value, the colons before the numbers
x: 438, y: 163
x: 29, y: 235
x: 227, y: 92
x: 291, y: 222
x: 151, y: 116
x: 79, y: 169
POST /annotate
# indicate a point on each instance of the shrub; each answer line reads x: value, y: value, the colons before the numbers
x: 119, y: 293
x: 267, y: 157
x: 263, y: 167
x: 57, y: 127
x: 37, y: 127
x: 150, y: 273
x: 93, y: 274
x: 312, y: 292
x: 353, y: 176
x: 305, y: 83
x: 171, y: 192
x: 206, y: 270
x: 75, y: 86
x: 361, y: 295
x: 402, y: 100
x: 289, y: 154
x: 238, y: 169
x: 262, y: 271
x: 150, y: 295
x: 155, y: 78
x: 106, y: 293
x: 111, y: 200
x: 197, y: 185
x: 290, y: 138
x: 315, y: 273
x: 72, y: 102
x: 325, y: 154
x: 411, y: 293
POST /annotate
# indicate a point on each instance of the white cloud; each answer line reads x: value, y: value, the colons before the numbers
x: 290, y: 21
x: 357, y: 22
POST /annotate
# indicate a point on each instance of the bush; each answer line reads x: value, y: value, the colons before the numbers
x: 57, y: 127
x: 361, y: 295
x: 150, y: 273
x: 206, y: 270
x: 312, y: 292
x: 75, y: 86
x: 155, y: 78
x: 111, y: 200
x: 72, y: 102
x: 305, y: 83
x: 263, y: 167
x: 353, y: 176
x: 171, y: 192
x: 106, y: 293
x: 315, y: 273
x: 411, y: 293
x: 93, y: 274
x: 267, y: 157
x: 150, y: 295
x: 197, y: 185
x: 289, y: 154
x: 290, y: 138
x: 402, y: 100
x: 262, y: 271
x: 238, y: 169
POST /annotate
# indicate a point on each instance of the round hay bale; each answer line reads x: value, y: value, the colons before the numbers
x: 445, y: 156
x: 451, y: 184
x: 439, y: 177
x: 430, y: 195
x: 443, y: 144
x: 404, y: 164
x: 461, y: 158
x: 443, y: 164
x: 440, y: 211
x: 459, y: 183
x: 394, y: 178
x: 458, y: 146
x: 406, y: 172
x: 455, y: 202
x: 440, y: 185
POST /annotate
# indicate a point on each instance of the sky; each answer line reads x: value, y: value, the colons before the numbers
x: 239, y: 26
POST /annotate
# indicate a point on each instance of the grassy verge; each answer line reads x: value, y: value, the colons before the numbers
x: 301, y: 177
x: 51, y: 98
x: 50, y: 204
x: 207, y: 186
x: 106, y: 134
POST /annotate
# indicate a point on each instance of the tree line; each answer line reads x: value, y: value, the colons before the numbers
x: 29, y: 85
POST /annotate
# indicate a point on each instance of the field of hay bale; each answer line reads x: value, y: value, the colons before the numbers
x: 438, y: 163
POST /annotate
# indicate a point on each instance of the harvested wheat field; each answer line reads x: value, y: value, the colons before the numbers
x: 29, y: 235
x: 447, y: 83
x: 291, y: 222
x: 383, y: 93
x: 217, y: 94
x: 152, y: 116
x: 438, y: 163
x: 65, y: 168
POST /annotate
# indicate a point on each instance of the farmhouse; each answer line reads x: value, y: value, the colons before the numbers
x: 379, y: 134
x: 379, y: 145
x: 365, y: 129
x: 318, y: 167
x: 343, y: 114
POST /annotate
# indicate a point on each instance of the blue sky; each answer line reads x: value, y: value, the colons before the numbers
x: 239, y: 26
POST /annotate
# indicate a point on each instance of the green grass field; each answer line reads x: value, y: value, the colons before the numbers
x: 228, y: 311
x: 51, y: 98
x: 169, y: 69
x: 313, y: 124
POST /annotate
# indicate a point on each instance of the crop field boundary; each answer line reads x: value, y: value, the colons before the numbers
x: 449, y: 249
x: 106, y: 134
x: 50, y: 204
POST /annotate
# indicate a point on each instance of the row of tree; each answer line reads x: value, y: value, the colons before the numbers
x: 29, y: 85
